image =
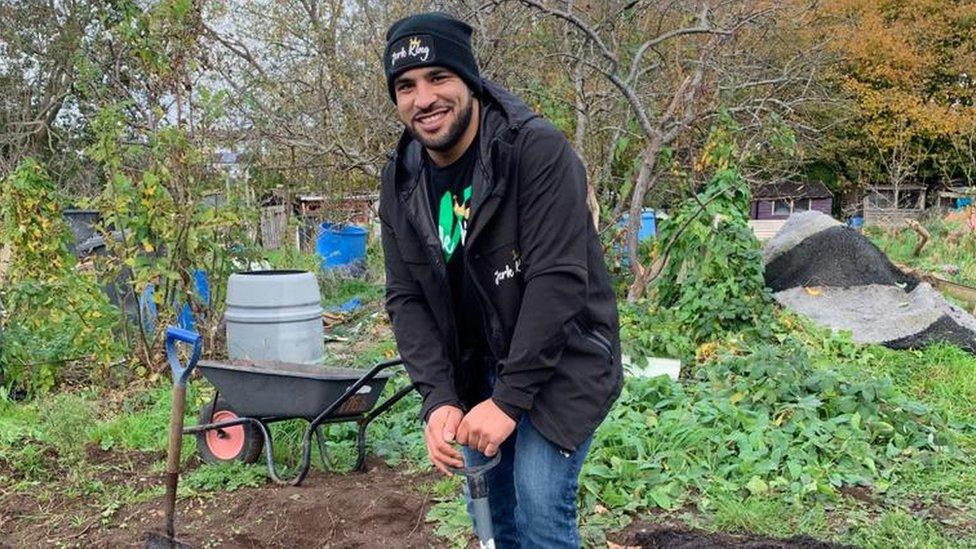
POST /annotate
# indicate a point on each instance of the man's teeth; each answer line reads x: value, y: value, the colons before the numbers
x: 429, y: 117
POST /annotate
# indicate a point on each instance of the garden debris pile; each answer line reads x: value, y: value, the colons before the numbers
x: 830, y: 273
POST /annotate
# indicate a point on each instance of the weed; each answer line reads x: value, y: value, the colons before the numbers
x: 66, y: 424
x: 142, y: 424
x: 650, y: 330
x: 338, y: 290
x: 899, y: 529
x: 765, y: 424
x: 767, y: 517
x: 713, y: 278
x: 223, y: 477
x: 452, y: 523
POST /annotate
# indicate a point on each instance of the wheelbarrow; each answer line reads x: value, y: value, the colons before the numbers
x: 253, y: 394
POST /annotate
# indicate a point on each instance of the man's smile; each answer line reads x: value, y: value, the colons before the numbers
x: 430, y: 122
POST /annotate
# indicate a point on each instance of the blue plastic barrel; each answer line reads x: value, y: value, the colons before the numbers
x: 648, y: 226
x: 647, y: 229
x: 963, y: 202
x: 856, y: 222
x: 340, y: 245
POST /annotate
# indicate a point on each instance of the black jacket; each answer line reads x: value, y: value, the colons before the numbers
x: 549, y: 309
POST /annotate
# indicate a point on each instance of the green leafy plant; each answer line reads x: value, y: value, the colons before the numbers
x: 223, y: 477
x: 53, y: 312
x: 452, y: 522
x: 713, y: 279
x: 761, y: 423
x: 647, y: 329
x: 66, y: 423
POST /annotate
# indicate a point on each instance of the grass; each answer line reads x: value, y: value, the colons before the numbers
x: 938, y: 375
x: 900, y: 529
x: 768, y: 517
x: 941, y: 374
x: 937, y: 253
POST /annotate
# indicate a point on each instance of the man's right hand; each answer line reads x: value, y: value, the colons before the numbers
x: 442, y: 425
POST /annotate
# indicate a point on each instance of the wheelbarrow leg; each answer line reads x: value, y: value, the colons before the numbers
x: 366, y: 420
x: 361, y: 445
x: 323, y: 451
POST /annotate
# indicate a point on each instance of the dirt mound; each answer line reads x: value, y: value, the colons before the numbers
x: 837, y: 257
x: 378, y: 508
x: 381, y: 507
x: 674, y: 538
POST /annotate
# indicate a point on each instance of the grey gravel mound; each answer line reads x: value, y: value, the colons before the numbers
x: 832, y: 274
x: 884, y: 314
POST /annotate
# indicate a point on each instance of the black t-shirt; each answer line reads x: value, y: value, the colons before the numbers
x: 450, y: 189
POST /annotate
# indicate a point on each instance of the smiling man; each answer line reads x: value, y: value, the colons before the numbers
x: 497, y: 289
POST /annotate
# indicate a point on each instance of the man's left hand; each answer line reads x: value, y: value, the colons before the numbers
x: 485, y: 428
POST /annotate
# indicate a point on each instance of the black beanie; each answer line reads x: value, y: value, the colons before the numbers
x: 430, y: 39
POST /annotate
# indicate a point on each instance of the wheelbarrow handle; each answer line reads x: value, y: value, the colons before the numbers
x: 181, y: 373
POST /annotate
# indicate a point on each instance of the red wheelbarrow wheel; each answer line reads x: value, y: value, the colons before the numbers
x: 238, y: 442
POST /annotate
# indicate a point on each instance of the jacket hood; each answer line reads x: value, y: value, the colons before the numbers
x: 502, y: 112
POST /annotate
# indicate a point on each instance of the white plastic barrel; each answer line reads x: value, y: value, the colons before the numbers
x: 274, y: 315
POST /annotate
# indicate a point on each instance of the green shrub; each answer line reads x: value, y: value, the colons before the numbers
x: 713, y: 280
x: 649, y: 330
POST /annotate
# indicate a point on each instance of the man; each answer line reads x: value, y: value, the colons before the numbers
x: 497, y: 289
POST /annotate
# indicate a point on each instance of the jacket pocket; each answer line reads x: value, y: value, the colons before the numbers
x: 594, y: 338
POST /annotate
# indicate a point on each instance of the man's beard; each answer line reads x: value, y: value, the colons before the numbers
x: 454, y: 131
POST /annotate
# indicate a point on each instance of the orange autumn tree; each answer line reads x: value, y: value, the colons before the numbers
x: 907, y: 71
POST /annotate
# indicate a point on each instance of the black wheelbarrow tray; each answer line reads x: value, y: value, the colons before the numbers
x: 252, y: 394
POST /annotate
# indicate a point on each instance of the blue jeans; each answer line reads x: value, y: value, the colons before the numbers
x: 532, y: 491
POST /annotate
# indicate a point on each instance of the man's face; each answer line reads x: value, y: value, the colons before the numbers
x: 435, y: 106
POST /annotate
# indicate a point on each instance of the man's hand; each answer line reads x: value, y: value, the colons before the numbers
x: 485, y: 428
x: 442, y: 425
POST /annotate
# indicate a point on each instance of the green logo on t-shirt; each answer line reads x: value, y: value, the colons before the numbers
x: 452, y: 220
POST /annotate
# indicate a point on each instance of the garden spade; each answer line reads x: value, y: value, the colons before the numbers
x: 477, y: 489
x: 181, y: 374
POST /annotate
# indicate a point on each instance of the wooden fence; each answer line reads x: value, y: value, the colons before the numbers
x: 273, y: 221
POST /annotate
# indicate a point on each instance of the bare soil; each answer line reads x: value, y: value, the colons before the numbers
x: 381, y: 507
x: 378, y: 508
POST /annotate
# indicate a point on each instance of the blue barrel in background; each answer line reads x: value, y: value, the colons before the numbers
x: 648, y: 226
x: 647, y: 229
x: 856, y: 222
x: 341, y: 245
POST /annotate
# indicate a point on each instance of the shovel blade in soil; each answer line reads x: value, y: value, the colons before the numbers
x: 161, y: 541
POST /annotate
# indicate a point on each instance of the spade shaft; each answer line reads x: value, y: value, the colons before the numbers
x: 181, y: 374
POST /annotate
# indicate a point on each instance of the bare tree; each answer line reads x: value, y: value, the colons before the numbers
x: 40, y: 44
x: 674, y: 65
x: 307, y: 86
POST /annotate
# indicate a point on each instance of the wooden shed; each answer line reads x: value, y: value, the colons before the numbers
x: 957, y: 196
x: 893, y: 205
x: 781, y: 199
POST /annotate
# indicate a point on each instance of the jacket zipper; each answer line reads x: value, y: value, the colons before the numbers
x: 419, y: 219
x: 595, y: 338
